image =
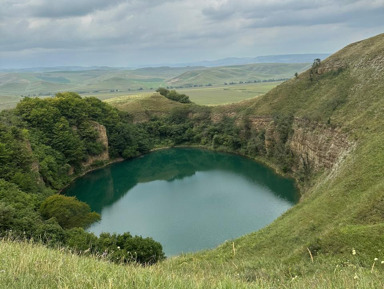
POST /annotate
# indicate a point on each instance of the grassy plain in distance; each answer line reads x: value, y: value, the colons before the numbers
x: 228, y: 93
x: 202, y: 95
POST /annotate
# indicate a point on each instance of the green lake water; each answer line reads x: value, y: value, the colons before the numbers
x: 187, y: 199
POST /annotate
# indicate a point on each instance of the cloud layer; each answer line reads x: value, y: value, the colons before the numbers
x: 133, y: 32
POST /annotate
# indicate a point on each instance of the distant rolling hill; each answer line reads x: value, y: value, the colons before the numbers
x: 93, y: 81
x: 107, y: 82
x: 284, y: 58
x: 238, y: 73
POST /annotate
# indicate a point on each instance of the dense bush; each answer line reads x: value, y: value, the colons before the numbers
x: 117, y: 248
x: 125, y: 248
x: 174, y: 95
x: 68, y: 211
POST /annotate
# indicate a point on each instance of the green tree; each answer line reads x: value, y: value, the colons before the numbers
x: 67, y: 141
x: 173, y: 95
x: 163, y: 91
x: 68, y: 211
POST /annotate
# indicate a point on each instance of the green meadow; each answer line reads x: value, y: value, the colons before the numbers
x: 228, y: 93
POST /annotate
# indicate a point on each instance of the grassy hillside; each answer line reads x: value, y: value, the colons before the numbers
x: 91, y: 82
x: 237, y: 73
x: 88, y: 81
x: 332, y: 239
x: 144, y: 105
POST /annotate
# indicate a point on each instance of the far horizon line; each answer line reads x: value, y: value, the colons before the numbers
x: 197, y: 63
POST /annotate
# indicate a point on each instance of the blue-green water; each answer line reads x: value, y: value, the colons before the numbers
x: 187, y: 199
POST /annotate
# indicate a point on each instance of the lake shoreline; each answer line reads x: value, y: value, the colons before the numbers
x: 259, y: 160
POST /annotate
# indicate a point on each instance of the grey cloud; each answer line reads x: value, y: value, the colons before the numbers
x: 145, y: 29
x: 344, y: 15
x: 68, y: 8
x: 247, y: 9
x: 63, y: 8
x: 282, y: 13
x: 127, y: 23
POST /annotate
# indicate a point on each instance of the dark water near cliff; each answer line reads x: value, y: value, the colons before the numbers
x: 187, y: 199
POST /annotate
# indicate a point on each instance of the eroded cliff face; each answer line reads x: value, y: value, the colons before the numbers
x: 319, y: 144
x: 312, y: 145
x: 104, y: 156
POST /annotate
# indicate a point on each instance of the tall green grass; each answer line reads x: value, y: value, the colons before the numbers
x: 27, y: 265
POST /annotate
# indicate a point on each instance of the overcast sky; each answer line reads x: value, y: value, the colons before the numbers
x: 141, y: 32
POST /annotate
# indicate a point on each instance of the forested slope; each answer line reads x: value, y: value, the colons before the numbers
x: 44, y: 144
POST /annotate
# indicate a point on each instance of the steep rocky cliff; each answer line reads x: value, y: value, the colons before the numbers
x: 103, y: 139
x: 313, y: 145
x: 318, y: 144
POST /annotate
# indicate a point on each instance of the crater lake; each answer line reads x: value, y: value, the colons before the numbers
x: 187, y: 199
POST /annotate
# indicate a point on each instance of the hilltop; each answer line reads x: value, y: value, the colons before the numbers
x: 324, y: 128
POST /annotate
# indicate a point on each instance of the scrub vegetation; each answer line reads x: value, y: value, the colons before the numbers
x: 332, y: 239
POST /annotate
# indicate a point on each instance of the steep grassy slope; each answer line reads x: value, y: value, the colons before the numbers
x: 331, y: 239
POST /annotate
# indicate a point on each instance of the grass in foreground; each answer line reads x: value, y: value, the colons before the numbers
x: 26, y: 265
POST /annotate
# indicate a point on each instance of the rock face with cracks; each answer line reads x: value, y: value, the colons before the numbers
x: 318, y: 145
x: 103, y: 139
